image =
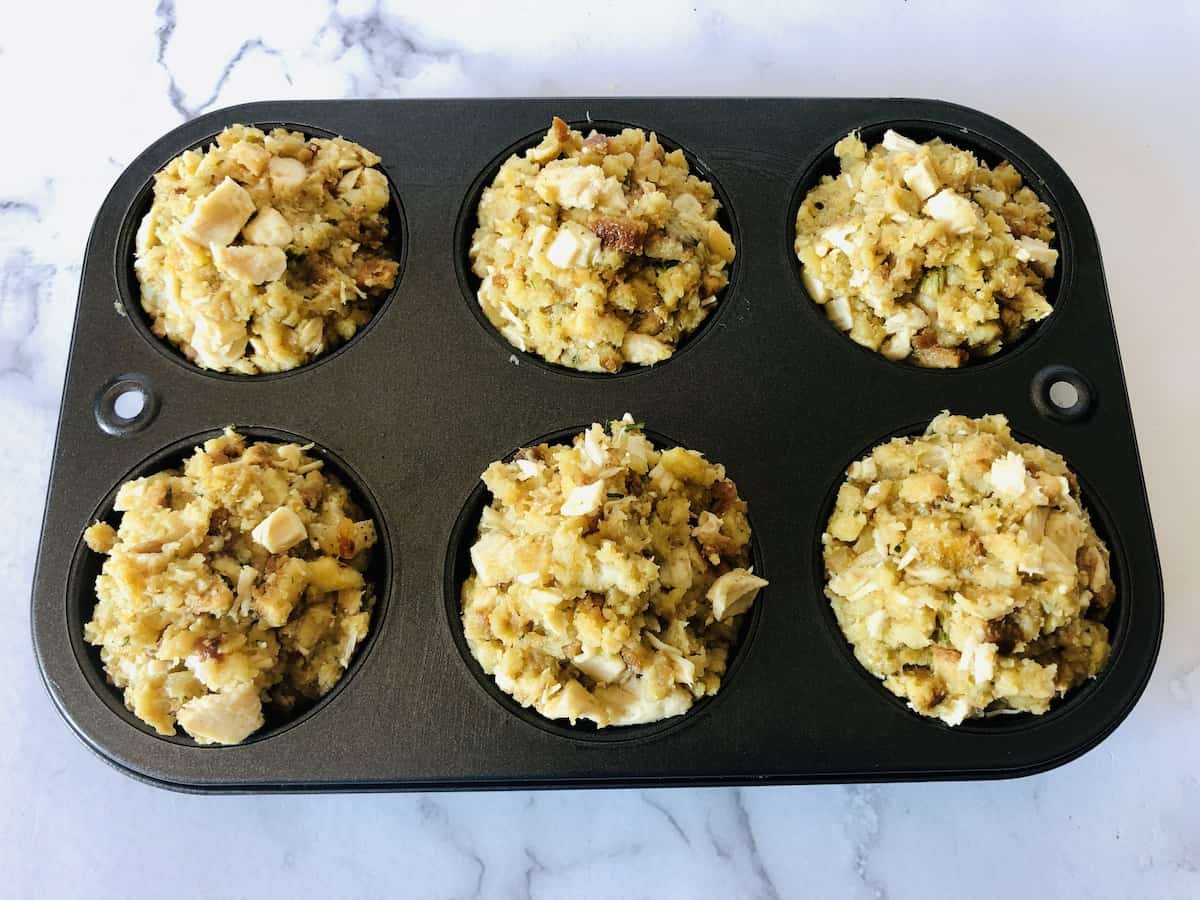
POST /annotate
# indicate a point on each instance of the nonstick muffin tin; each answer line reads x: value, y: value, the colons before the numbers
x: 413, y: 408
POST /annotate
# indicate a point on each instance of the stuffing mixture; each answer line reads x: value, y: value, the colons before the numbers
x: 966, y: 573
x: 232, y: 584
x: 609, y: 577
x: 599, y: 251
x: 266, y: 250
x: 925, y: 254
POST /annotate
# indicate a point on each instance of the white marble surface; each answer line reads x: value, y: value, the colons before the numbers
x: 1112, y: 94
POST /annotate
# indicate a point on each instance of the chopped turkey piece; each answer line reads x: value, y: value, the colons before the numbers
x: 527, y: 467
x: 719, y: 242
x: 311, y: 335
x: 683, y: 668
x: 219, y: 216
x: 1008, y: 475
x: 247, y: 578
x: 897, y: 345
x: 539, y: 238
x: 269, y: 228
x: 252, y: 155
x: 545, y: 601
x: 573, y: 187
x: 572, y: 247
x: 629, y: 707
x: 584, y: 500
x: 838, y: 310
x: 816, y: 289
x: 598, y: 666
x: 280, y: 531
x: 287, y: 174
x: 733, y: 592
x: 250, y: 263
x: 218, y: 343
x: 643, y: 349
x: 952, y: 209
x: 897, y: 142
x: 922, y: 178
x: 573, y: 702
x: 1030, y: 249
x: 349, y: 181
x: 838, y: 235
x: 228, y: 717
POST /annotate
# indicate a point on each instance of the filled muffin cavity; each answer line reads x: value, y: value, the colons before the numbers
x: 232, y: 587
x: 265, y: 250
x: 599, y: 251
x: 965, y: 571
x: 609, y: 578
x: 924, y: 253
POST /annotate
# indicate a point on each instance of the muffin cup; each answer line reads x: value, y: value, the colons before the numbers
x: 468, y: 220
x: 130, y: 291
x: 86, y: 565
x: 458, y: 569
x: 1116, y: 617
x: 987, y: 148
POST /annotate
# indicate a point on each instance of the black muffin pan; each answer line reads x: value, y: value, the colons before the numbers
x: 413, y: 409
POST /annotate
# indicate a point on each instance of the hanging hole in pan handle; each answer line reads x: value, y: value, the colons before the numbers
x: 1063, y: 394
x: 126, y: 404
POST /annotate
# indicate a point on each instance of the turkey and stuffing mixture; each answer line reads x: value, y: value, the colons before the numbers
x: 965, y: 572
x: 234, y: 583
x: 925, y: 254
x: 609, y: 578
x: 265, y: 250
x: 598, y: 251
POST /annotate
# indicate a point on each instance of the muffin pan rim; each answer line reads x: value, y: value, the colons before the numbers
x: 128, y: 288
x: 1130, y: 510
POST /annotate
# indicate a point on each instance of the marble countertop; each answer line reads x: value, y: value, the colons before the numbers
x: 88, y: 85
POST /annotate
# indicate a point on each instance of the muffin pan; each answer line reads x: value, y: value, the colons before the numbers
x: 412, y: 409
